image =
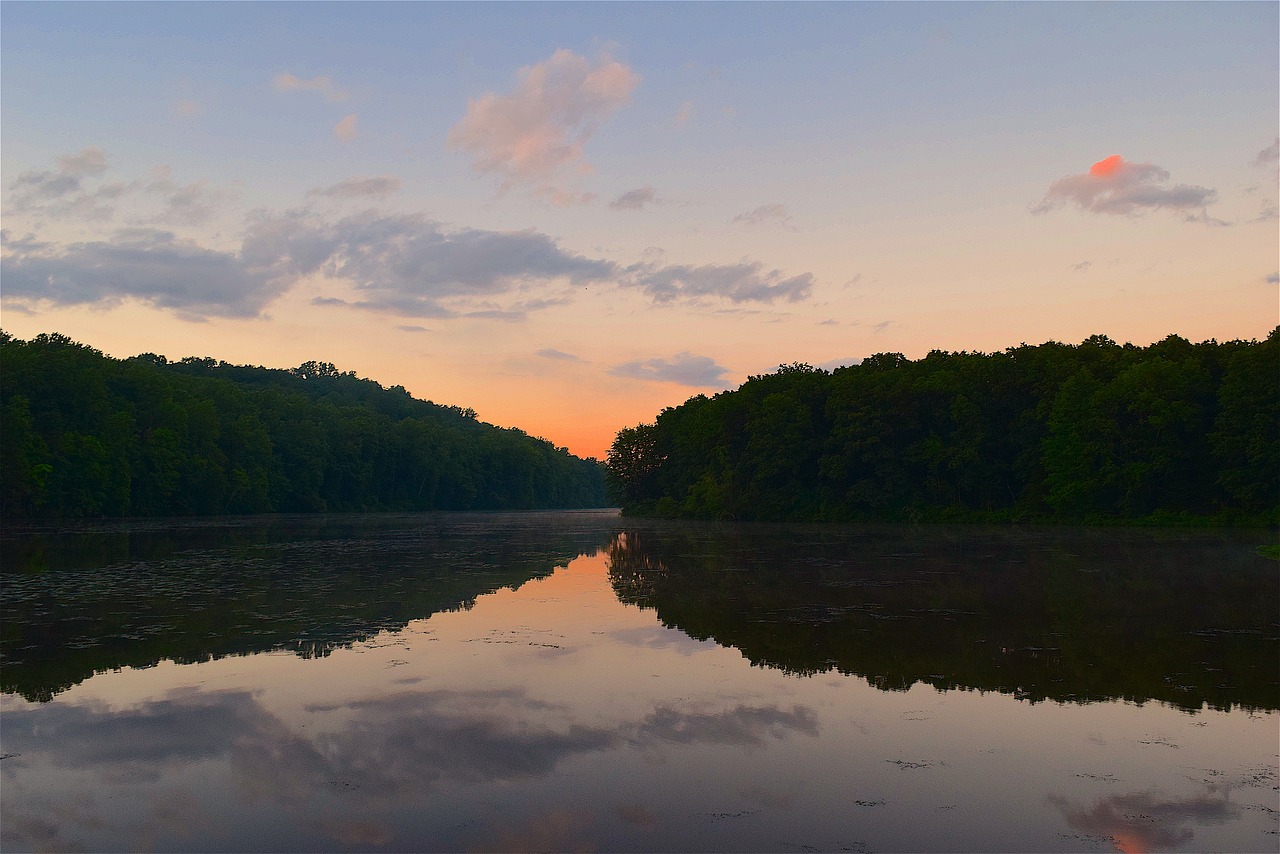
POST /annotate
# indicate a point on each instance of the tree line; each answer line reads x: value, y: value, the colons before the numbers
x: 1171, y: 433
x: 86, y: 435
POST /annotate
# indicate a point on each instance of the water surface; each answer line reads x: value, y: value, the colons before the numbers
x: 583, y: 682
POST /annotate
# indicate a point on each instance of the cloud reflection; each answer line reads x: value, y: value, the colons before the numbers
x: 1140, y: 821
x: 402, y: 747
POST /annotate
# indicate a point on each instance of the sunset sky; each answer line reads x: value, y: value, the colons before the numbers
x: 569, y: 216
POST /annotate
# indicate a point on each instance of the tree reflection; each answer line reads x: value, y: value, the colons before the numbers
x: 100, y: 597
x: 1062, y: 614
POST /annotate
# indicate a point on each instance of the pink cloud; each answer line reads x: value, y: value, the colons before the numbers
x: 325, y: 86
x: 1117, y: 186
x: 534, y: 135
x: 345, y: 129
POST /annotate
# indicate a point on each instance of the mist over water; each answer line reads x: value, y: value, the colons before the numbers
x: 581, y: 681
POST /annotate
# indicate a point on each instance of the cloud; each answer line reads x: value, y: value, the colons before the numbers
x: 153, y: 266
x: 1268, y: 156
x: 684, y: 368
x: 767, y: 215
x: 187, y: 109
x: 742, y: 282
x: 345, y: 129
x: 326, y: 87
x: 534, y: 136
x: 634, y: 200
x: 66, y: 193
x: 882, y: 326
x: 360, y: 186
x: 558, y: 355
x: 832, y: 364
x: 1273, y: 278
x: 1140, y: 821
x: 683, y: 115
x: 1117, y: 186
x: 184, y: 204
x: 416, y: 267
x: 405, y: 264
x: 413, y: 329
x: 32, y: 187
x: 1081, y: 267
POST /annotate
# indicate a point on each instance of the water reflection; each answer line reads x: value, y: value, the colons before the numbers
x: 1143, y: 821
x: 511, y: 701
x: 1068, y: 615
x: 99, y: 597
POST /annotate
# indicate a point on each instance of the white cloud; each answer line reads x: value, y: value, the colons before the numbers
x: 833, y: 364
x: 345, y: 129
x: 683, y: 368
x: 360, y: 186
x: 1116, y: 186
x: 534, y: 136
x: 326, y: 87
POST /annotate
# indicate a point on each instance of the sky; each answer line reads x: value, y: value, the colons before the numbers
x: 569, y: 216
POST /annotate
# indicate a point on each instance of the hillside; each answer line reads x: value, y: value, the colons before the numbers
x: 1097, y: 432
x: 85, y: 434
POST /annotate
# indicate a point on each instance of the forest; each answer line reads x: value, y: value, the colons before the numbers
x: 87, y: 435
x: 1099, y: 432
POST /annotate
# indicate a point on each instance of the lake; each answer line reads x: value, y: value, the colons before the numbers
x: 585, y: 682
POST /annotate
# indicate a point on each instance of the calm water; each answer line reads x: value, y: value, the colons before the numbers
x: 580, y: 682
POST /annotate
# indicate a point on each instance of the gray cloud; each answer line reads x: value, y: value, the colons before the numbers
x: 684, y: 368
x: 634, y: 200
x: 1081, y: 267
x: 406, y: 264
x: 832, y: 364
x: 1273, y: 278
x: 35, y: 189
x: 1117, y: 186
x: 152, y: 266
x: 742, y: 282
x: 64, y: 193
x: 399, y: 743
x: 1269, y: 155
x: 558, y: 355
x: 767, y: 215
x: 360, y: 186
x: 413, y: 329
x: 65, y: 179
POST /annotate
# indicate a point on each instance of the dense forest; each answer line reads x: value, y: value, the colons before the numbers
x: 1097, y: 432
x: 83, y: 434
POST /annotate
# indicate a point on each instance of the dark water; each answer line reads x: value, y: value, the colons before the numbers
x: 577, y: 681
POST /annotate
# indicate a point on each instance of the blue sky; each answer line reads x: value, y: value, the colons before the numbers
x: 570, y: 215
